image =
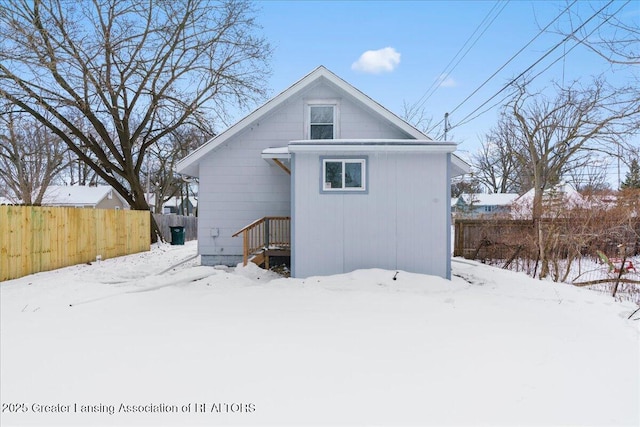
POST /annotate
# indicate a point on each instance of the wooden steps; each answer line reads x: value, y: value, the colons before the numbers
x: 264, y: 238
x: 261, y: 259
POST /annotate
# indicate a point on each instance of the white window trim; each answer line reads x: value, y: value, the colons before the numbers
x: 363, y: 170
x: 322, y: 103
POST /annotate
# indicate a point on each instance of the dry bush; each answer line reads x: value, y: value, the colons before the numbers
x: 572, y: 236
x: 605, y: 225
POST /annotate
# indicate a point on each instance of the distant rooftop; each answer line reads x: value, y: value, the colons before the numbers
x: 495, y: 199
x: 77, y: 194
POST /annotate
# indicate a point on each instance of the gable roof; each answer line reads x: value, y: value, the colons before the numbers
x: 555, y: 199
x: 188, y: 165
x: 73, y: 195
x: 562, y: 191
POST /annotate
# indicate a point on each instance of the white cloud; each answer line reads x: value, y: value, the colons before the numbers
x: 445, y: 81
x: 377, y: 61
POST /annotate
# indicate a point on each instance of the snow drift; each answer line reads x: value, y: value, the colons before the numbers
x: 130, y: 341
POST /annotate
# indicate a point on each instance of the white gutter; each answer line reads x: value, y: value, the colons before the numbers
x: 393, y: 147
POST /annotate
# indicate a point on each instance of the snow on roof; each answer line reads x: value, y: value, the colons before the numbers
x: 494, y: 199
x: 177, y: 201
x: 562, y: 196
x: 276, y: 150
x: 77, y: 194
x: 172, y: 201
x: 561, y: 191
x: 276, y: 153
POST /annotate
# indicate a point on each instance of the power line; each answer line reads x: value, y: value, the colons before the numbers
x: 513, y: 57
x: 504, y: 65
x: 579, y: 42
x: 436, y: 84
x: 464, y: 120
x: 492, y: 106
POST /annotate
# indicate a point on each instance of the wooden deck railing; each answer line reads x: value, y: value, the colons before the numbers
x: 265, y: 233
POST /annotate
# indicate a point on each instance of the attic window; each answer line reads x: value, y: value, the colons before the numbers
x: 322, y: 121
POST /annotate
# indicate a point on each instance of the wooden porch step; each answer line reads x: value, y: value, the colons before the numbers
x: 258, y: 259
x: 262, y: 258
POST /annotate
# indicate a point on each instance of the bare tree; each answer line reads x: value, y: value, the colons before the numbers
x: 30, y: 157
x: 163, y: 182
x: 496, y: 167
x: 78, y: 172
x: 589, y: 177
x: 417, y: 116
x: 616, y: 38
x: 465, y: 185
x: 134, y: 70
x: 552, y: 133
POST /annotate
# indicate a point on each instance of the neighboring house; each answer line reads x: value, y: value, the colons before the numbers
x: 363, y: 188
x: 175, y: 205
x: 178, y: 206
x: 555, y: 201
x: 82, y: 196
x: 479, y: 205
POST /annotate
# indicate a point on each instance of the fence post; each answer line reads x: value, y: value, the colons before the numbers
x: 266, y: 233
x: 458, y: 238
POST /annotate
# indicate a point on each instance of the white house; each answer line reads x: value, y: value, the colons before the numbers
x: 84, y: 196
x: 362, y: 187
x: 480, y: 205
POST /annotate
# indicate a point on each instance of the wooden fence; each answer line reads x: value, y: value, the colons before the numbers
x: 190, y: 224
x: 477, y: 239
x: 34, y: 238
x: 504, y: 238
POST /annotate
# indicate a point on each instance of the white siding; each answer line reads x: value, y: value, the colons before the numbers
x: 400, y: 223
x: 237, y: 186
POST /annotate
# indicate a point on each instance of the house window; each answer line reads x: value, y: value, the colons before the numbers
x: 344, y: 174
x: 321, y: 122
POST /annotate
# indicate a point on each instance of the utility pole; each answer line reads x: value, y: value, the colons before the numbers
x: 147, y: 196
x: 446, y: 125
x: 619, y: 155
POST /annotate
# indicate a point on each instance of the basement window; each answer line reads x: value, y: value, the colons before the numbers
x: 344, y: 175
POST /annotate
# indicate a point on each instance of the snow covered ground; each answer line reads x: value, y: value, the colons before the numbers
x: 131, y: 341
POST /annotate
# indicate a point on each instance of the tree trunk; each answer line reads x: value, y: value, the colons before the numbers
x: 539, y: 232
x: 156, y: 232
x: 140, y: 204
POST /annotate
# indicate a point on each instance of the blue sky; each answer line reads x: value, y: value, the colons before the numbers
x: 414, y: 41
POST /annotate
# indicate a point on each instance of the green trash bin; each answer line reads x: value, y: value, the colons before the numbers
x: 177, y: 235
